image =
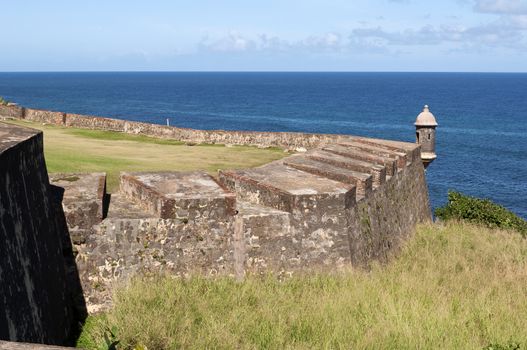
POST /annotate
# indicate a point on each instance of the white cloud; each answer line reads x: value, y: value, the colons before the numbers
x: 234, y: 42
x: 507, y: 31
x: 518, y: 22
x: 512, y: 7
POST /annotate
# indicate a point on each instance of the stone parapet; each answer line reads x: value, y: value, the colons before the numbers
x: 286, y: 140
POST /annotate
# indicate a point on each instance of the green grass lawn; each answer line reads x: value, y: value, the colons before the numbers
x: 455, y: 286
x: 80, y: 150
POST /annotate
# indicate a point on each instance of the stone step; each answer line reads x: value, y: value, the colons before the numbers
x: 179, y: 195
x: 359, y: 154
x: 362, y: 180
x: 281, y: 187
x: 411, y: 149
x: 400, y: 157
x: 377, y: 171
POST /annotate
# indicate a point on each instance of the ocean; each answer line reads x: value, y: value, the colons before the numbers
x: 481, y: 137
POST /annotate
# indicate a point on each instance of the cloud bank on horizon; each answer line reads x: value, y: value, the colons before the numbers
x: 272, y: 35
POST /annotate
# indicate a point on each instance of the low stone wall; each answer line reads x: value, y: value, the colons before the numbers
x: 286, y: 140
x: 12, y: 111
x: 39, y: 283
x: 47, y: 117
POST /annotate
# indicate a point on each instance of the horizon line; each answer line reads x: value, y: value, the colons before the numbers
x: 258, y: 71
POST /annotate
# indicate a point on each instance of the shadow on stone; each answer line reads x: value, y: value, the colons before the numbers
x: 75, y: 292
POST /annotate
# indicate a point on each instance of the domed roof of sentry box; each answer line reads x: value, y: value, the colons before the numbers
x: 425, y: 118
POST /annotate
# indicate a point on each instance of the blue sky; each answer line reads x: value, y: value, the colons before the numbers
x: 271, y: 35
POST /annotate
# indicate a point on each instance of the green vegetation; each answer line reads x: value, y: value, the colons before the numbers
x: 453, y: 286
x: 3, y: 102
x: 79, y: 150
x: 480, y: 211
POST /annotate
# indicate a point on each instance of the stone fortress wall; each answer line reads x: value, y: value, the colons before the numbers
x: 39, y: 284
x: 343, y: 201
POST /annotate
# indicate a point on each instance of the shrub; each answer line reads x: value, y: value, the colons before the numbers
x: 508, y: 346
x: 3, y: 102
x: 480, y: 211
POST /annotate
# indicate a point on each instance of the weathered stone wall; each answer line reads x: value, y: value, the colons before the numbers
x: 37, y: 285
x: 121, y: 248
x: 380, y: 222
x: 287, y: 140
x: 48, y: 117
x: 11, y: 111
x: 281, y: 235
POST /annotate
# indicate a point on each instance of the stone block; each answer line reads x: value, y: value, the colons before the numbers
x: 179, y: 195
x: 288, y: 189
x: 83, y: 198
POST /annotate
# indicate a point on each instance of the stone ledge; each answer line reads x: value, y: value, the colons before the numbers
x: 11, y: 135
x: 8, y: 345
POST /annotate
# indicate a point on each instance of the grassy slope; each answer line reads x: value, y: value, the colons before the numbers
x: 453, y: 287
x: 77, y: 150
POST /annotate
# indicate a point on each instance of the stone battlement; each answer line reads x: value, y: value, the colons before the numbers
x: 343, y: 201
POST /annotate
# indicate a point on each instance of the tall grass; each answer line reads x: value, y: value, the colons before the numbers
x: 452, y: 287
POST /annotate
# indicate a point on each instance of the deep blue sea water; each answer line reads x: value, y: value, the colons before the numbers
x: 481, y: 138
